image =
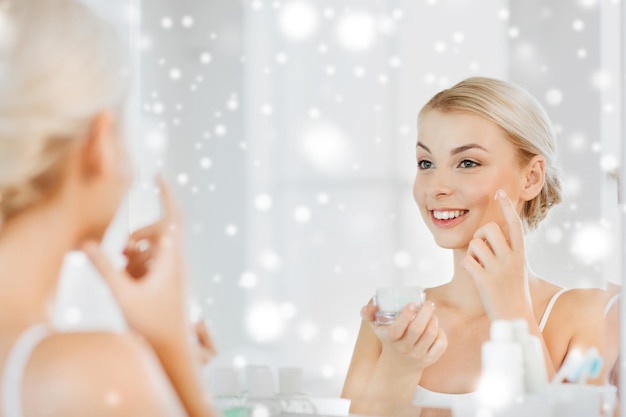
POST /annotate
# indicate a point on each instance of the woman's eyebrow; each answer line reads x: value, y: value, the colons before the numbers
x: 455, y: 150
x: 467, y: 147
x: 421, y: 145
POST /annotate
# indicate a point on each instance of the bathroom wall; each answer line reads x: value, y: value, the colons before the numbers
x: 568, y: 55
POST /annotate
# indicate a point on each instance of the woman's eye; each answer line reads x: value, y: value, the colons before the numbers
x: 424, y: 164
x: 466, y: 163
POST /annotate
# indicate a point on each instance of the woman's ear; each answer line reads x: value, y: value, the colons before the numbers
x: 534, y: 178
x: 96, y: 151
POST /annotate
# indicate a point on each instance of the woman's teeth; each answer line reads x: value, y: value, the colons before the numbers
x: 446, y: 215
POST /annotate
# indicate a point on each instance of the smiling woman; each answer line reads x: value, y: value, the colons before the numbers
x: 486, y: 173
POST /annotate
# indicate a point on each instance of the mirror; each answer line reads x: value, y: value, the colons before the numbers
x: 288, y: 130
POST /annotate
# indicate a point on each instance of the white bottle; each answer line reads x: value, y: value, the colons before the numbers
x: 261, y: 396
x: 535, y: 373
x: 290, y: 394
x: 225, y: 390
x: 502, y: 379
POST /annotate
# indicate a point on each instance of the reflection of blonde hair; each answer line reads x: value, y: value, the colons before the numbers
x: 60, y: 66
x: 522, y: 118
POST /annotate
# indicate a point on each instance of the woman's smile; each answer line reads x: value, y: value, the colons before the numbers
x: 447, y: 217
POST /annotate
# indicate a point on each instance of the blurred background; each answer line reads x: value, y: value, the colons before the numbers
x: 287, y: 129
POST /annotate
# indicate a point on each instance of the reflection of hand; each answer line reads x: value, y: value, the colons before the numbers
x: 151, y: 290
x: 413, y: 341
x: 498, y: 266
x: 205, y: 349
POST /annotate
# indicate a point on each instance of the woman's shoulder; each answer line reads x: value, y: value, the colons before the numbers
x: 579, y: 313
x: 89, y: 371
x: 584, y: 299
x: 576, y: 321
x: 574, y: 306
x: 577, y: 299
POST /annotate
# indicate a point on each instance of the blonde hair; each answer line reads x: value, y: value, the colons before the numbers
x: 523, y: 119
x: 60, y: 65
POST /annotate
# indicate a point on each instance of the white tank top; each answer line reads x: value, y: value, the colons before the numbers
x: 427, y: 398
x: 14, y: 368
x: 433, y: 399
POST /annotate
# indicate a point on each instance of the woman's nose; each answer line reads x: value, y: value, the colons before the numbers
x: 440, y: 183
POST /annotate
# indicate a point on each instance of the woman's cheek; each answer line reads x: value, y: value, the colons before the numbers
x: 417, y: 191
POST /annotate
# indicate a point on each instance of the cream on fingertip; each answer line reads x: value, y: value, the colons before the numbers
x: 88, y: 246
x: 500, y: 194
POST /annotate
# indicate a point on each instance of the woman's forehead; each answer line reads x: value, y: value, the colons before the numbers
x: 439, y: 129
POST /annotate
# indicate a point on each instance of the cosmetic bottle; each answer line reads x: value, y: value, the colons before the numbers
x: 225, y: 390
x: 502, y: 379
x: 260, y: 399
x: 290, y: 395
x: 534, y: 366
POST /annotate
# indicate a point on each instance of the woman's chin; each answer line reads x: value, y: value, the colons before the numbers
x: 451, y: 243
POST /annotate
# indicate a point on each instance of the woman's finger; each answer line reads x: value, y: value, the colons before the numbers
x: 472, y: 266
x: 171, y: 213
x: 152, y: 233
x: 105, y: 267
x: 480, y: 251
x: 428, y: 331
x: 439, y: 345
x: 513, y: 221
x: 148, y: 233
x: 139, y: 262
x: 492, y: 234
x: 396, y: 330
x: 368, y: 312
x: 139, y: 269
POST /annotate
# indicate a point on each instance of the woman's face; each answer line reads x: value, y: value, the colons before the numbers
x: 116, y: 174
x: 462, y: 160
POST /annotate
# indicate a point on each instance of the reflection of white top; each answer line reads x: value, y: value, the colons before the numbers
x: 15, y: 366
x: 433, y: 399
x: 427, y: 398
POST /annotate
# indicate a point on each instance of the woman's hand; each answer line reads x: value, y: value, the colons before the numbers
x: 407, y: 346
x: 498, y: 265
x: 413, y: 341
x: 205, y: 349
x: 151, y: 290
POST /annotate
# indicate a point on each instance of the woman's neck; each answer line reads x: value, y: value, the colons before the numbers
x: 32, y: 248
x: 461, y: 290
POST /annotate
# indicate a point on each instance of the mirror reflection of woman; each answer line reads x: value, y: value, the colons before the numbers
x: 64, y: 170
x: 486, y: 174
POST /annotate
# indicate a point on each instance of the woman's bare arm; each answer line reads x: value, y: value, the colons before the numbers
x: 577, y: 322
x: 366, y: 352
x: 152, y: 293
x: 388, y: 360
